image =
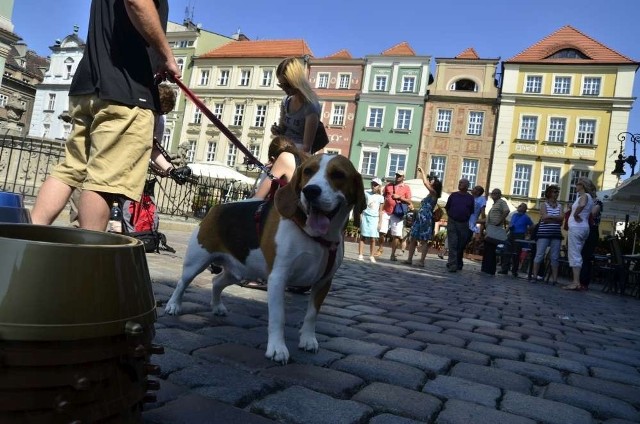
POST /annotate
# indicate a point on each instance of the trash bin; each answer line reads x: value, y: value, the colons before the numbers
x: 76, y: 323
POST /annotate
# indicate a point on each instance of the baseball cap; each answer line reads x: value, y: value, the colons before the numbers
x: 400, y: 172
x: 376, y: 181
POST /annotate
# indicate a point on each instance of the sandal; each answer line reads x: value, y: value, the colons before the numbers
x: 258, y: 285
x: 571, y: 287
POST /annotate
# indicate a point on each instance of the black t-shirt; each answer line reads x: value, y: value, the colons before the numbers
x: 118, y: 64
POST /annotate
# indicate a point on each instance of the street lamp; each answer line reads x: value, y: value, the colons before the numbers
x: 631, y: 160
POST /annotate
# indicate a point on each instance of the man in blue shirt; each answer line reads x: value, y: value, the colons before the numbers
x: 519, y: 225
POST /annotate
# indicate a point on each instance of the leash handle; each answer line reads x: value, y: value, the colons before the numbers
x: 251, y: 159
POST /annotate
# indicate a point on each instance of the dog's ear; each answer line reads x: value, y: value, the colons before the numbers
x: 287, y: 198
x: 360, y: 199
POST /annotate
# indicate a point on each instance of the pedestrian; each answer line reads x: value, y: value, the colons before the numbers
x: 300, y: 109
x: 112, y: 100
x: 459, y: 207
x: 284, y: 158
x: 579, y: 229
x: 422, y: 229
x: 549, y: 233
x: 591, y: 243
x: 476, y: 220
x: 371, y: 219
x: 519, y: 225
x: 495, y: 217
x: 395, y: 193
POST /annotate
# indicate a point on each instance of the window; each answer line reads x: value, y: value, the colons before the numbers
x: 261, y: 116
x: 51, y: 105
x: 380, y: 83
x: 323, y: 80
x: 337, y: 114
x: 369, y: 162
x: 438, y: 164
x: 267, y: 77
x: 45, y: 130
x: 69, y: 74
x: 197, y: 116
x: 408, y: 84
x: 166, y: 138
x: 444, y: 120
x: 238, y: 115
x: 557, y: 127
x: 204, y: 77
x: 180, y: 63
x: 403, y: 119
x: 475, y: 123
x: 528, y: 127
x: 586, y: 131
x: 345, y: 80
x: 533, y: 84
x: 211, y: 151
x: 245, y: 77
x: 521, y: 180
x: 470, y: 171
x: 375, y: 117
x: 576, y: 174
x: 254, y: 148
x: 591, y: 86
x: 217, y: 110
x: 550, y: 175
x: 223, y: 78
x: 191, y: 153
x: 463, y: 85
x: 562, y: 85
x: 397, y: 162
x: 66, y: 130
x: 3, y: 100
x: 232, y: 154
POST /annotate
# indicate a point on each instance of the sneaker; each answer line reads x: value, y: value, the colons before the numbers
x: 372, y: 259
x: 360, y: 258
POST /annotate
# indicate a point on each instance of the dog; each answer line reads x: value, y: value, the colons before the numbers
x: 300, y: 242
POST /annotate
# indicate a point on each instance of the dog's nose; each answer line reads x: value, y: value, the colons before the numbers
x: 311, y: 192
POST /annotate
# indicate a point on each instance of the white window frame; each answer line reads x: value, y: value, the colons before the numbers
x: 521, y: 181
x: 232, y: 155
x: 574, y: 175
x: 166, y: 138
x: 223, y: 77
x: 46, y: 128
x: 586, y: 136
x: 443, y: 120
x: 369, y: 157
x: 375, y: 119
x: 51, y: 103
x: 438, y: 166
x: 470, y: 169
x: 180, y: 63
x: 344, y: 81
x: 238, y: 115
x: 204, y: 77
x: 591, y: 85
x: 562, y: 84
x: 197, y: 116
x: 533, y: 84
x: 212, y: 147
x: 267, y: 78
x: 338, y: 112
x: 218, y: 109
x: 191, y: 153
x: 528, y: 132
x: 322, y: 80
x: 4, y: 99
x: 408, y: 83
x: 245, y: 78
x: 402, y: 120
x: 550, y: 175
x: 557, y: 133
x: 261, y: 116
x: 380, y: 83
x: 476, y: 122
x: 397, y: 160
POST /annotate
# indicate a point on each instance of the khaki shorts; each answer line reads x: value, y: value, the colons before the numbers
x: 109, y: 148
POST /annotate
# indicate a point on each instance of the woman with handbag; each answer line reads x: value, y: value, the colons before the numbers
x: 495, y: 232
x: 422, y: 228
x: 579, y: 229
x: 549, y: 233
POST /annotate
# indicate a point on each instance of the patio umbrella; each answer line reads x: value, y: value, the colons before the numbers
x: 219, y: 171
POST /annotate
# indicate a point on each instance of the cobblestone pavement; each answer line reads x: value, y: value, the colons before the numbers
x: 400, y: 344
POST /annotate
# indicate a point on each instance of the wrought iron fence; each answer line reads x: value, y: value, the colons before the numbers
x: 26, y: 162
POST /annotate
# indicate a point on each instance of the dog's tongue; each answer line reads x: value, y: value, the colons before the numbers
x: 318, y: 222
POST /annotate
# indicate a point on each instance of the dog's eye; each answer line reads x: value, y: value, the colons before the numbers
x: 338, y: 175
x: 308, y: 172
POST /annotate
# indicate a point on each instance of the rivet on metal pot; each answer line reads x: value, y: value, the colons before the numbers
x: 82, y: 383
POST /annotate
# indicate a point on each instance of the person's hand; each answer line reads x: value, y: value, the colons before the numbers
x: 180, y: 175
x: 169, y: 69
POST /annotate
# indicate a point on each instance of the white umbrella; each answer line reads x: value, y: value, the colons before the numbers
x: 216, y: 170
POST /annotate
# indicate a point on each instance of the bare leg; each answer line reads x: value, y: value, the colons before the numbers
x: 424, y: 248
x: 394, y: 246
x: 412, y: 249
x: 52, y: 198
x: 93, y: 211
x: 360, y: 246
x: 372, y: 247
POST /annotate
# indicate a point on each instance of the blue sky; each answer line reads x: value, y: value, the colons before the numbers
x: 500, y: 28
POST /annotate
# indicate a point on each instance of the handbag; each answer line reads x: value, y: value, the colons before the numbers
x: 321, y: 139
x: 437, y: 213
x: 400, y: 209
x: 495, y: 234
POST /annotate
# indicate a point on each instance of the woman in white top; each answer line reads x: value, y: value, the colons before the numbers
x: 579, y: 228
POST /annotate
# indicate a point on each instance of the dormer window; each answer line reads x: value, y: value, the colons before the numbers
x: 568, y: 54
x: 464, y: 85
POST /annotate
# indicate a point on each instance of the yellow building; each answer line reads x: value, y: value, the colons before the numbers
x: 563, y: 103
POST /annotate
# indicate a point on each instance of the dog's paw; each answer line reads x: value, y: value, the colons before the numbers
x: 172, y: 309
x: 308, y: 343
x: 219, y: 309
x: 277, y: 352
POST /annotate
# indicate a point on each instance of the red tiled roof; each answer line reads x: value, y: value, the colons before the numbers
x: 568, y: 37
x: 261, y: 48
x: 342, y: 54
x: 400, y: 49
x: 469, y: 53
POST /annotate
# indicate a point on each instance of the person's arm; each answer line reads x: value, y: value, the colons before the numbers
x: 144, y: 17
x: 505, y: 211
x: 380, y: 212
x: 426, y: 182
x: 310, y: 129
x: 284, y: 166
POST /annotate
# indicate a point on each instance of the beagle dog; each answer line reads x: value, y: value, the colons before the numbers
x: 300, y: 242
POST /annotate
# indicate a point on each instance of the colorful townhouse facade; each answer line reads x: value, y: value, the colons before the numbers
x: 238, y: 83
x: 7, y: 36
x: 459, y: 120
x: 563, y: 102
x: 337, y: 80
x: 390, y: 113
